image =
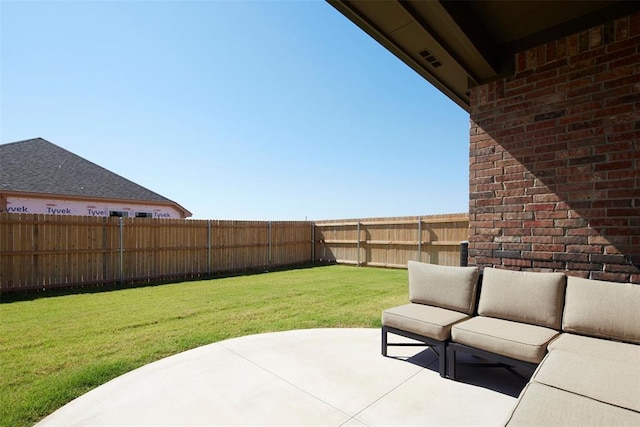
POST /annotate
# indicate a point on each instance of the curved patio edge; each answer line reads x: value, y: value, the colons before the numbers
x: 298, y: 377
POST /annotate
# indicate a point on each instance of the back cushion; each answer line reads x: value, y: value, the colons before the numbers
x: 602, y: 309
x: 447, y: 287
x: 528, y: 297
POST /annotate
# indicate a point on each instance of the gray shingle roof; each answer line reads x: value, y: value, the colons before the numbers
x: 39, y: 166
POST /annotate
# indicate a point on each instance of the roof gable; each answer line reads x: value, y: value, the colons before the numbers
x: 39, y: 166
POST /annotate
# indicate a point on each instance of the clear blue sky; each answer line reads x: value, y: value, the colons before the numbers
x: 272, y: 110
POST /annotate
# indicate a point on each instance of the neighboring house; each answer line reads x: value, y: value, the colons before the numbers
x: 39, y: 177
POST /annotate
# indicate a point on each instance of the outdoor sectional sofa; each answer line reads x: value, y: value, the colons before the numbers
x: 591, y: 373
x: 580, y: 336
x: 439, y: 298
x: 519, y: 313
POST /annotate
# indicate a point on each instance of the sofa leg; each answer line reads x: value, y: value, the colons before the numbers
x: 384, y: 341
x: 451, y: 362
x: 442, y: 360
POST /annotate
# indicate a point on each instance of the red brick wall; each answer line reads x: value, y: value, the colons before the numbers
x: 555, y: 158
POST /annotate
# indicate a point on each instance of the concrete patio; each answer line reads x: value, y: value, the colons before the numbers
x: 326, y: 377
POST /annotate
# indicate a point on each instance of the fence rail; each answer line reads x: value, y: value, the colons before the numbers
x: 47, y: 251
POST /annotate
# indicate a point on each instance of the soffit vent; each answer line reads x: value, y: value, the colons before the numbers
x: 432, y: 60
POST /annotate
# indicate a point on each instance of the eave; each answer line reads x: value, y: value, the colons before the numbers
x: 457, y: 45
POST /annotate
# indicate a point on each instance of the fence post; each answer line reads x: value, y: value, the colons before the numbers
x: 358, y: 245
x: 106, y: 250
x: 209, y: 247
x: 269, y: 247
x: 420, y: 239
x: 313, y: 241
x: 121, y: 223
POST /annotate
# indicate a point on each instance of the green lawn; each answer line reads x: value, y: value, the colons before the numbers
x: 56, y: 348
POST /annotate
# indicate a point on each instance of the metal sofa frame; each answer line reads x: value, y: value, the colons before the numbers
x: 499, y: 360
x: 438, y: 347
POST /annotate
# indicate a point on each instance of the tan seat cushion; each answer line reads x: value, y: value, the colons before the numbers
x: 512, y: 339
x: 529, y: 297
x: 615, y: 351
x: 541, y: 405
x: 602, y: 309
x: 615, y: 383
x: 442, y: 286
x: 425, y: 320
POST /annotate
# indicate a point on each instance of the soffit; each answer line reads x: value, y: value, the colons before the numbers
x: 456, y: 45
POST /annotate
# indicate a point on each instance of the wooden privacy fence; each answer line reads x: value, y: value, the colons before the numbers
x: 391, y: 242
x: 47, y: 251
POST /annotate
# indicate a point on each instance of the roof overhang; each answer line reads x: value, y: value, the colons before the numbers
x: 456, y: 45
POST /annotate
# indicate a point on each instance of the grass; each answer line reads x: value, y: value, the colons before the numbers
x: 56, y: 348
